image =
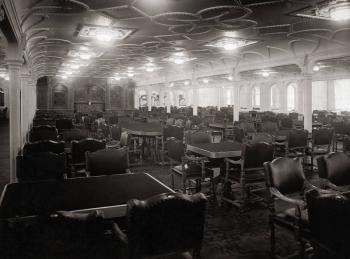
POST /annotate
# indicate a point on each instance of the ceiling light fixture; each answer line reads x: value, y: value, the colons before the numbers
x: 7, y: 78
x: 187, y: 83
x: 316, y: 68
x: 103, y: 33
x: 265, y: 73
x: 205, y: 81
x: 336, y: 10
x: 230, y: 43
x: 131, y: 74
x: 179, y: 58
x: 230, y: 78
x: 339, y: 10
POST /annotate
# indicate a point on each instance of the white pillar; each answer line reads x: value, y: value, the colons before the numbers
x: 236, y: 95
x: 307, y: 87
x: 219, y: 92
x: 330, y: 95
x: 284, y: 97
x: 109, y: 84
x: 14, y: 61
x: 149, y: 100
x: 300, y: 98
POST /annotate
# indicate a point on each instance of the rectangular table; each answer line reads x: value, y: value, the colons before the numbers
x: 142, y: 128
x: 108, y: 194
x: 217, y: 150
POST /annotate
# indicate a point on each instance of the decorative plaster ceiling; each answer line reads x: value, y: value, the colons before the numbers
x: 164, y: 27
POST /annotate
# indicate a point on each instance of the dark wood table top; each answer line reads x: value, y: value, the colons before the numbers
x: 217, y: 150
x: 142, y: 128
x: 108, y: 194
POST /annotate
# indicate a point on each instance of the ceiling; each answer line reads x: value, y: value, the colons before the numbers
x: 160, y: 28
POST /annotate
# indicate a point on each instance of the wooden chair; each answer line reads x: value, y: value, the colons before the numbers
x: 108, y: 161
x: 41, y: 166
x: 248, y: 173
x: 78, y: 151
x: 166, y: 224
x: 44, y: 146
x: 286, y: 182
x: 44, y: 132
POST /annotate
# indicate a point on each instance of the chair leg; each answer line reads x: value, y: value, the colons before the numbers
x: 272, y: 239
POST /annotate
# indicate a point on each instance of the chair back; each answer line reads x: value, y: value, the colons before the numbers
x: 74, y: 134
x: 269, y: 126
x: 297, y: 138
x: 322, y: 137
x: 248, y: 127
x: 329, y: 223
x: 64, y: 124
x: 286, y: 123
x: 261, y: 137
x: 173, y: 131
x: 176, y: 149
x: 285, y: 174
x: 107, y: 161
x: 116, y: 132
x: 44, y: 132
x: 199, y: 138
x: 335, y: 167
x: 165, y: 223
x: 80, y: 147
x: 44, y: 146
x: 41, y: 166
x: 256, y: 154
x: 238, y: 134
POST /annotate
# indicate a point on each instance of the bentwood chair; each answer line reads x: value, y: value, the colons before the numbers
x: 80, y: 147
x: 248, y: 173
x: 297, y: 143
x: 286, y: 183
x: 41, y: 166
x: 334, y: 170
x: 329, y: 223
x: 170, y: 225
x: 44, y: 146
x: 108, y: 161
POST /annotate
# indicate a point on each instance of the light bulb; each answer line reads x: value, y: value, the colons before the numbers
x: 130, y: 74
x: 230, y: 46
x: 205, y: 81
x: 7, y: 78
x: 150, y: 69
x: 265, y: 74
x: 179, y: 61
x: 316, y: 68
x: 85, y: 56
x: 187, y: 83
x: 230, y: 78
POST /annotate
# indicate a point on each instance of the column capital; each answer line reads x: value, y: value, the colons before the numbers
x: 14, y: 63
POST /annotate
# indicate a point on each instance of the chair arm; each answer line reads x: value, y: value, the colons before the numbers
x: 297, y: 202
x: 234, y: 162
x: 335, y: 187
x: 309, y: 185
x: 120, y: 235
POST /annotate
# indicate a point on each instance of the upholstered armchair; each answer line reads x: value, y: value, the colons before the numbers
x: 166, y: 224
x: 44, y: 146
x: 329, y: 223
x: 80, y: 147
x: 334, y: 170
x: 188, y: 167
x: 108, y: 161
x: 287, y: 184
x: 44, y: 132
x: 248, y: 172
x: 41, y: 166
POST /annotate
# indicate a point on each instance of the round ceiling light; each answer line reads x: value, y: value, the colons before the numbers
x: 340, y: 11
x: 316, y: 68
x: 265, y: 74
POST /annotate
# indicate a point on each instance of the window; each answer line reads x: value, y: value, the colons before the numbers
x: 256, y: 96
x: 342, y: 94
x: 275, y: 97
x: 229, y: 100
x: 291, y: 89
x: 319, y: 95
